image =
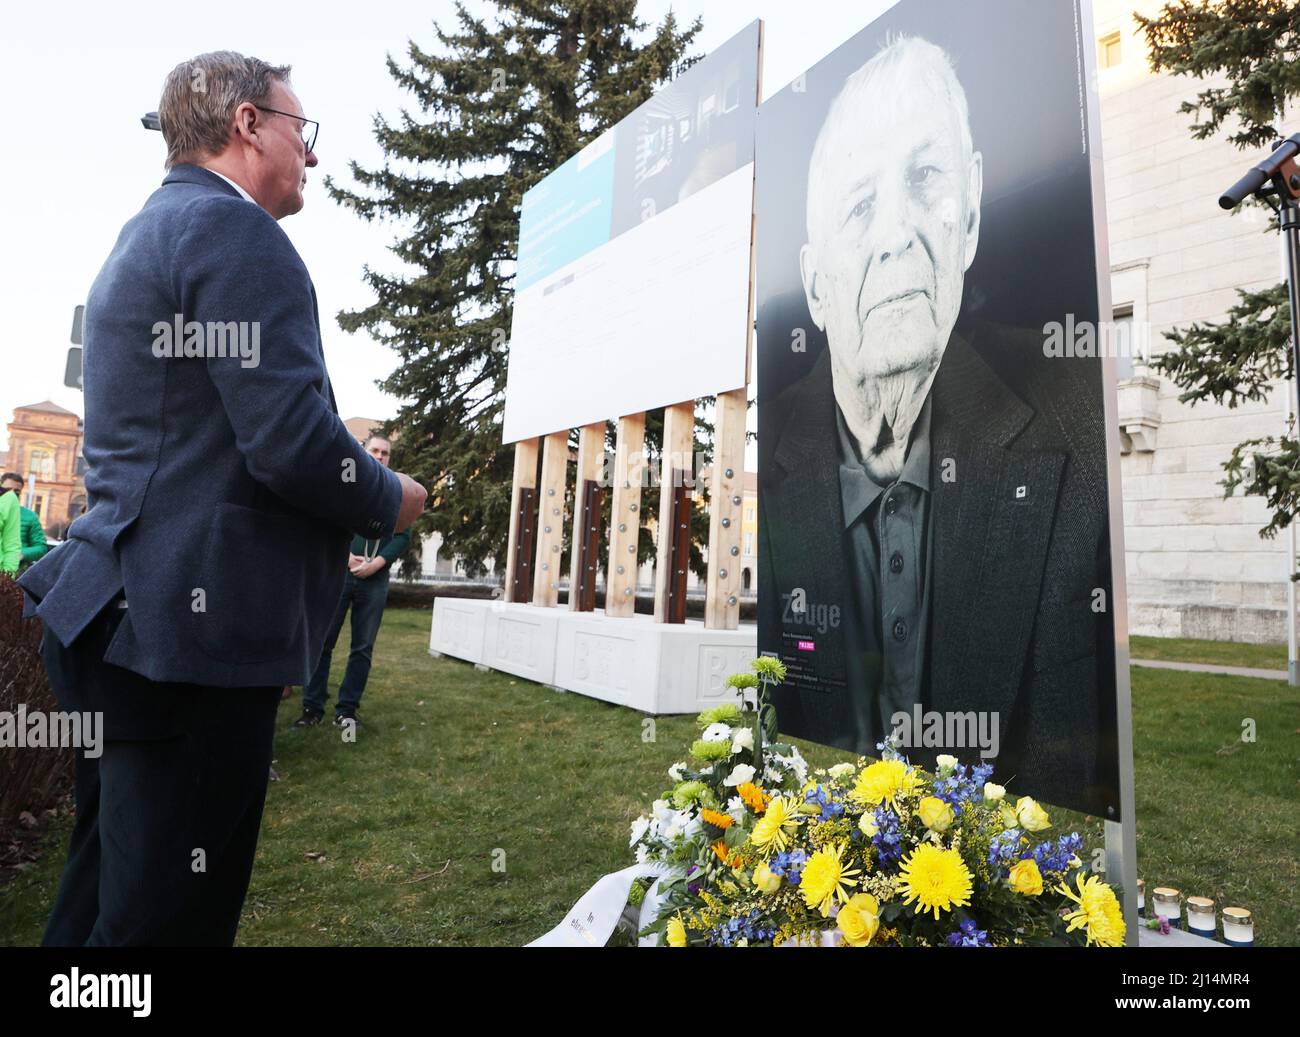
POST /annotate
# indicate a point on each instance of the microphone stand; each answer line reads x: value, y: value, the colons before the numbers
x: 1278, y: 177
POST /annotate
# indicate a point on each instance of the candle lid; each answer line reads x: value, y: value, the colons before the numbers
x: 1200, y: 903
x: 1237, y: 914
x: 1165, y: 891
x: 1141, y: 886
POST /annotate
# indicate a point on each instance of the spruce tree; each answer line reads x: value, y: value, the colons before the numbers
x: 498, y: 104
x: 1250, y: 50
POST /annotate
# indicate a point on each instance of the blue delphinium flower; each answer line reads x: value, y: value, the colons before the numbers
x: 968, y: 936
x: 789, y: 865
x: 829, y: 808
x: 1005, y: 848
x: 1055, y: 856
x: 730, y: 932
x: 888, y: 840
x: 963, y: 785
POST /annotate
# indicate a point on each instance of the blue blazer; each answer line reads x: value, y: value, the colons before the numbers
x: 223, y: 490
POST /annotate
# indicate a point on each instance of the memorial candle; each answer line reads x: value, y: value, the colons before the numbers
x: 1166, y: 903
x: 1142, y: 899
x: 1200, y: 917
x: 1238, y: 927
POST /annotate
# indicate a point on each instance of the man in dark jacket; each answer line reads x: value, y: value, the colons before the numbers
x: 365, y: 592
x: 934, y: 539
x: 223, y: 490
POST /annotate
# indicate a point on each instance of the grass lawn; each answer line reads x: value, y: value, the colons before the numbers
x: 393, y: 839
x: 1216, y: 653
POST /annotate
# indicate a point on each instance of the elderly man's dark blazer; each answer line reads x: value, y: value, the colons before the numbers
x: 221, y: 496
x: 1018, y: 521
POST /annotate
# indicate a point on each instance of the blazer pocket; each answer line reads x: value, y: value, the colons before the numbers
x: 1065, y: 635
x: 252, y: 580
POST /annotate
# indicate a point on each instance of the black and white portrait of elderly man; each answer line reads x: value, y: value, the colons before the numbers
x: 934, y: 533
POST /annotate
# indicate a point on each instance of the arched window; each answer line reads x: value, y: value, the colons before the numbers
x: 745, y: 579
x: 40, y: 463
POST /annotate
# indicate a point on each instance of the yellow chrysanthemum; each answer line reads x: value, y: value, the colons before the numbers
x: 775, y: 828
x: 938, y: 880
x: 676, y: 934
x: 1099, y: 912
x: 826, y: 880
x: 883, y: 782
x: 718, y: 820
x: 753, y: 796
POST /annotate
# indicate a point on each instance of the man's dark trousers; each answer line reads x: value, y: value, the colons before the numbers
x: 366, y: 598
x: 168, y: 814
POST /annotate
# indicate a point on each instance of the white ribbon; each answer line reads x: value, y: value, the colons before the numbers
x: 593, y: 919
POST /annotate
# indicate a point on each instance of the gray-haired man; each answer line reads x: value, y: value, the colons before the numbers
x: 955, y: 523
x: 223, y: 488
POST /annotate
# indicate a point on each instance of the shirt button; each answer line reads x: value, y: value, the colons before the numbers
x: 900, y: 630
x: 891, y: 505
x: 896, y: 562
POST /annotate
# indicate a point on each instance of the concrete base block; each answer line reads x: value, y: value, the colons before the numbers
x: 656, y: 668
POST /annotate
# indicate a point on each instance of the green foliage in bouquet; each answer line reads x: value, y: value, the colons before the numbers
x: 760, y: 850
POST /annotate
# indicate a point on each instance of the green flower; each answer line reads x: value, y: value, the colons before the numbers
x: 770, y: 667
x: 727, y: 713
x: 710, y: 751
x: 636, y: 895
x: 742, y: 681
x: 687, y: 792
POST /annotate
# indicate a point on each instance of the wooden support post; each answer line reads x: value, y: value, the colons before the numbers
x: 676, y: 477
x: 550, y: 518
x: 584, y: 543
x: 625, y: 516
x: 523, y: 524
x: 726, y: 500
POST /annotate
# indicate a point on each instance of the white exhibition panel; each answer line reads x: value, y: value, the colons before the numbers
x: 658, y: 313
x: 657, y: 668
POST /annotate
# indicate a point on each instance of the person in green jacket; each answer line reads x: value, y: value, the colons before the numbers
x: 10, y: 533
x: 31, y: 534
x: 365, y: 591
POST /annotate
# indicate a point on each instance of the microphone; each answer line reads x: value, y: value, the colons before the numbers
x: 149, y: 120
x: 1262, y: 173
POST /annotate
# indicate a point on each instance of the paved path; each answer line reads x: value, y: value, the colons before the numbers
x: 1232, y: 671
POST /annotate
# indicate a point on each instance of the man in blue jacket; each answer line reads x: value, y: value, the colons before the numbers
x: 365, y: 593
x: 223, y: 491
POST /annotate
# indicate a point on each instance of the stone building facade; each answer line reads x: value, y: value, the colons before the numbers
x: 1196, y: 566
x: 45, y: 448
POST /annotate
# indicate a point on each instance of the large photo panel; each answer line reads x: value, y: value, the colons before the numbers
x: 934, y: 535
x: 632, y: 289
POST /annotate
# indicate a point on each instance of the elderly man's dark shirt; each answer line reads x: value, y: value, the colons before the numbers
x: 887, y: 546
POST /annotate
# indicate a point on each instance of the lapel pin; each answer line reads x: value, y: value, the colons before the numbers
x: 1022, y: 492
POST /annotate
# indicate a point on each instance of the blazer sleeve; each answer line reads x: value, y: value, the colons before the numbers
x: 234, y: 263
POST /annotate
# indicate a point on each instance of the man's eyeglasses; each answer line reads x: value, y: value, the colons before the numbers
x: 310, y: 127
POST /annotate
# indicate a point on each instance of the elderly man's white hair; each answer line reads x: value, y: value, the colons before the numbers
x: 901, y: 64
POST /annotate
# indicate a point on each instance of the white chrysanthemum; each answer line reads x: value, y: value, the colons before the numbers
x: 740, y: 774
x: 841, y: 771
x: 677, y: 771
x: 744, y: 739
x: 642, y: 853
x: 639, y: 828
x: 736, y: 808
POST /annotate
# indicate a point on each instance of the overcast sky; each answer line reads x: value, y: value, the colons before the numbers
x: 78, y: 163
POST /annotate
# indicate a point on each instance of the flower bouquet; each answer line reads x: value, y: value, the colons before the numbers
x: 761, y: 850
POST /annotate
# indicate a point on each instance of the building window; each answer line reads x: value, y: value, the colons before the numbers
x: 40, y: 463
x: 1122, y: 341
x: 749, y: 543
x: 38, y: 506
x: 1108, y: 50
